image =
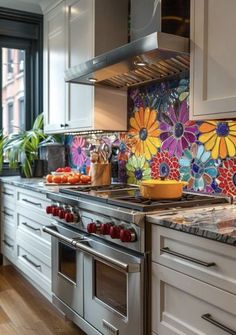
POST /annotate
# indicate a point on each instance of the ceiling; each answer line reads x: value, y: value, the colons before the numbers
x: 36, y: 6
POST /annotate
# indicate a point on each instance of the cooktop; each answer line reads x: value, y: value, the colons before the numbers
x: 128, y: 196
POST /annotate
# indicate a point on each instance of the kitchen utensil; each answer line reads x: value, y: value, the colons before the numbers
x: 162, y: 189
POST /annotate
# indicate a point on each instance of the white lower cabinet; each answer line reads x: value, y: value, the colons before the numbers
x: 186, y: 306
x: 193, y: 285
x: 23, y: 241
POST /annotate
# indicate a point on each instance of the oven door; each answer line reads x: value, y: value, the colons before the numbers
x: 67, y: 268
x: 113, y: 289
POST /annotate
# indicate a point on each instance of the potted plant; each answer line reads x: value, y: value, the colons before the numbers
x: 23, y: 147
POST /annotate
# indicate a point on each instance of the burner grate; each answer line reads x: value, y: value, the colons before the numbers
x: 146, y: 205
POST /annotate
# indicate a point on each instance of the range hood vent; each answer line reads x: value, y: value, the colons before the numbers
x: 147, y: 59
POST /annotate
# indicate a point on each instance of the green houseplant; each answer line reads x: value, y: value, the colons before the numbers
x: 23, y: 147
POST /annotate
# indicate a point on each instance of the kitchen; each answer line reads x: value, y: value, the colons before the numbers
x: 110, y: 260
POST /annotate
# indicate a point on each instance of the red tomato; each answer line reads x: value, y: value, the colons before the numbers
x: 60, y: 170
x: 49, y: 178
x: 72, y: 180
x: 67, y: 169
x: 85, y: 179
x: 56, y: 179
x: 64, y: 178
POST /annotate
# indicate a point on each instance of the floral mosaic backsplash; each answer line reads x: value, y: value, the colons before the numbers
x: 162, y: 142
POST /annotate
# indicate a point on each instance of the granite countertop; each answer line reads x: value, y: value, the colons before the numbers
x: 33, y: 184
x: 213, y: 222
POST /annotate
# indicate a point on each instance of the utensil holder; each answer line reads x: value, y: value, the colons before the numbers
x: 100, y: 174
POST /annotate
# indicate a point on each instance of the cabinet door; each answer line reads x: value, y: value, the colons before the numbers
x: 54, y: 67
x: 186, y: 306
x: 80, y: 46
x: 213, y: 54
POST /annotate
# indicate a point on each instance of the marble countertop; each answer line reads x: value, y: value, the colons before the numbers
x: 212, y: 222
x: 33, y: 184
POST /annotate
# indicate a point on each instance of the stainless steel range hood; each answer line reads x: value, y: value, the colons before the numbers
x: 147, y: 59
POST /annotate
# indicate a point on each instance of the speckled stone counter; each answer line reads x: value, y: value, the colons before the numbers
x: 215, y: 223
x: 33, y: 184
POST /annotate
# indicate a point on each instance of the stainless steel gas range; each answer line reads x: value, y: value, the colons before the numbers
x: 100, y: 255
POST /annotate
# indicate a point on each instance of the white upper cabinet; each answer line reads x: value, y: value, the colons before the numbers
x: 90, y: 28
x: 54, y: 66
x: 213, y: 54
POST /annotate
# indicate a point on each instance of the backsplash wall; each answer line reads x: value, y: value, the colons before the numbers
x: 161, y: 141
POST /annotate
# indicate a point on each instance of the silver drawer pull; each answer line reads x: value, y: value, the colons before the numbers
x: 8, y: 244
x: 7, y: 193
x: 29, y: 226
x: 31, y: 262
x: 33, y: 203
x: 8, y: 214
x: 188, y: 258
x: 209, y: 318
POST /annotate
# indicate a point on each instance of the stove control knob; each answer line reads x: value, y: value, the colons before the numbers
x: 115, y: 231
x: 127, y: 235
x: 61, y: 213
x: 92, y: 228
x: 105, y: 228
x: 55, y: 210
x: 69, y: 217
x: 49, y: 209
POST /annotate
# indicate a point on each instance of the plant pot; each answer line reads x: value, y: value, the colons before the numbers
x: 38, y: 168
x: 162, y: 189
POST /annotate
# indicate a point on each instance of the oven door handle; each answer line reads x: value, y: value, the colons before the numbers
x: 128, y: 268
x: 121, y: 266
x: 51, y: 231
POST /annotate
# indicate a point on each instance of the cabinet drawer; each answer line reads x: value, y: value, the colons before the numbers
x: 210, y: 261
x: 34, y: 268
x: 8, y: 214
x: 8, y: 247
x: 37, y: 202
x: 180, y: 303
x: 8, y: 193
x: 36, y: 247
x: 33, y: 228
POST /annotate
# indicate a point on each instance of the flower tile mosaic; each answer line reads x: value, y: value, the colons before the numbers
x: 162, y: 142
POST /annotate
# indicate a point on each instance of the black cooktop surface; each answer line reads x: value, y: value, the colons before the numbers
x: 128, y: 196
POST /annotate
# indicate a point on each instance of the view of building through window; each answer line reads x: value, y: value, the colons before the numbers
x: 13, y: 90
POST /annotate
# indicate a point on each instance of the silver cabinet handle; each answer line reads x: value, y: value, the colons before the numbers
x: 209, y: 318
x: 29, y: 226
x: 188, y: 258
x: 8, y: 214
x: 7, y: 193
x: 31, y: 262
x: 8, y: 244
x: 32, y: 202
x: 134, y: 267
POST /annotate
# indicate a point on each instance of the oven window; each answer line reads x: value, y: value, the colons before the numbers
x: 67, y: 261
x: 111, y: 287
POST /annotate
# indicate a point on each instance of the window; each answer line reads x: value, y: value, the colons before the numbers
x: 21, y: 72
x: 22, y: 113
x: 21, y: 60
x: 9, y: 61
x: 13, y: 88
x: 10, y: 117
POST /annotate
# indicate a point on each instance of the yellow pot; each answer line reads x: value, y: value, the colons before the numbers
x: 162, y: 189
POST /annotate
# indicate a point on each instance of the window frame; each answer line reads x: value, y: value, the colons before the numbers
x: 24, y: 30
